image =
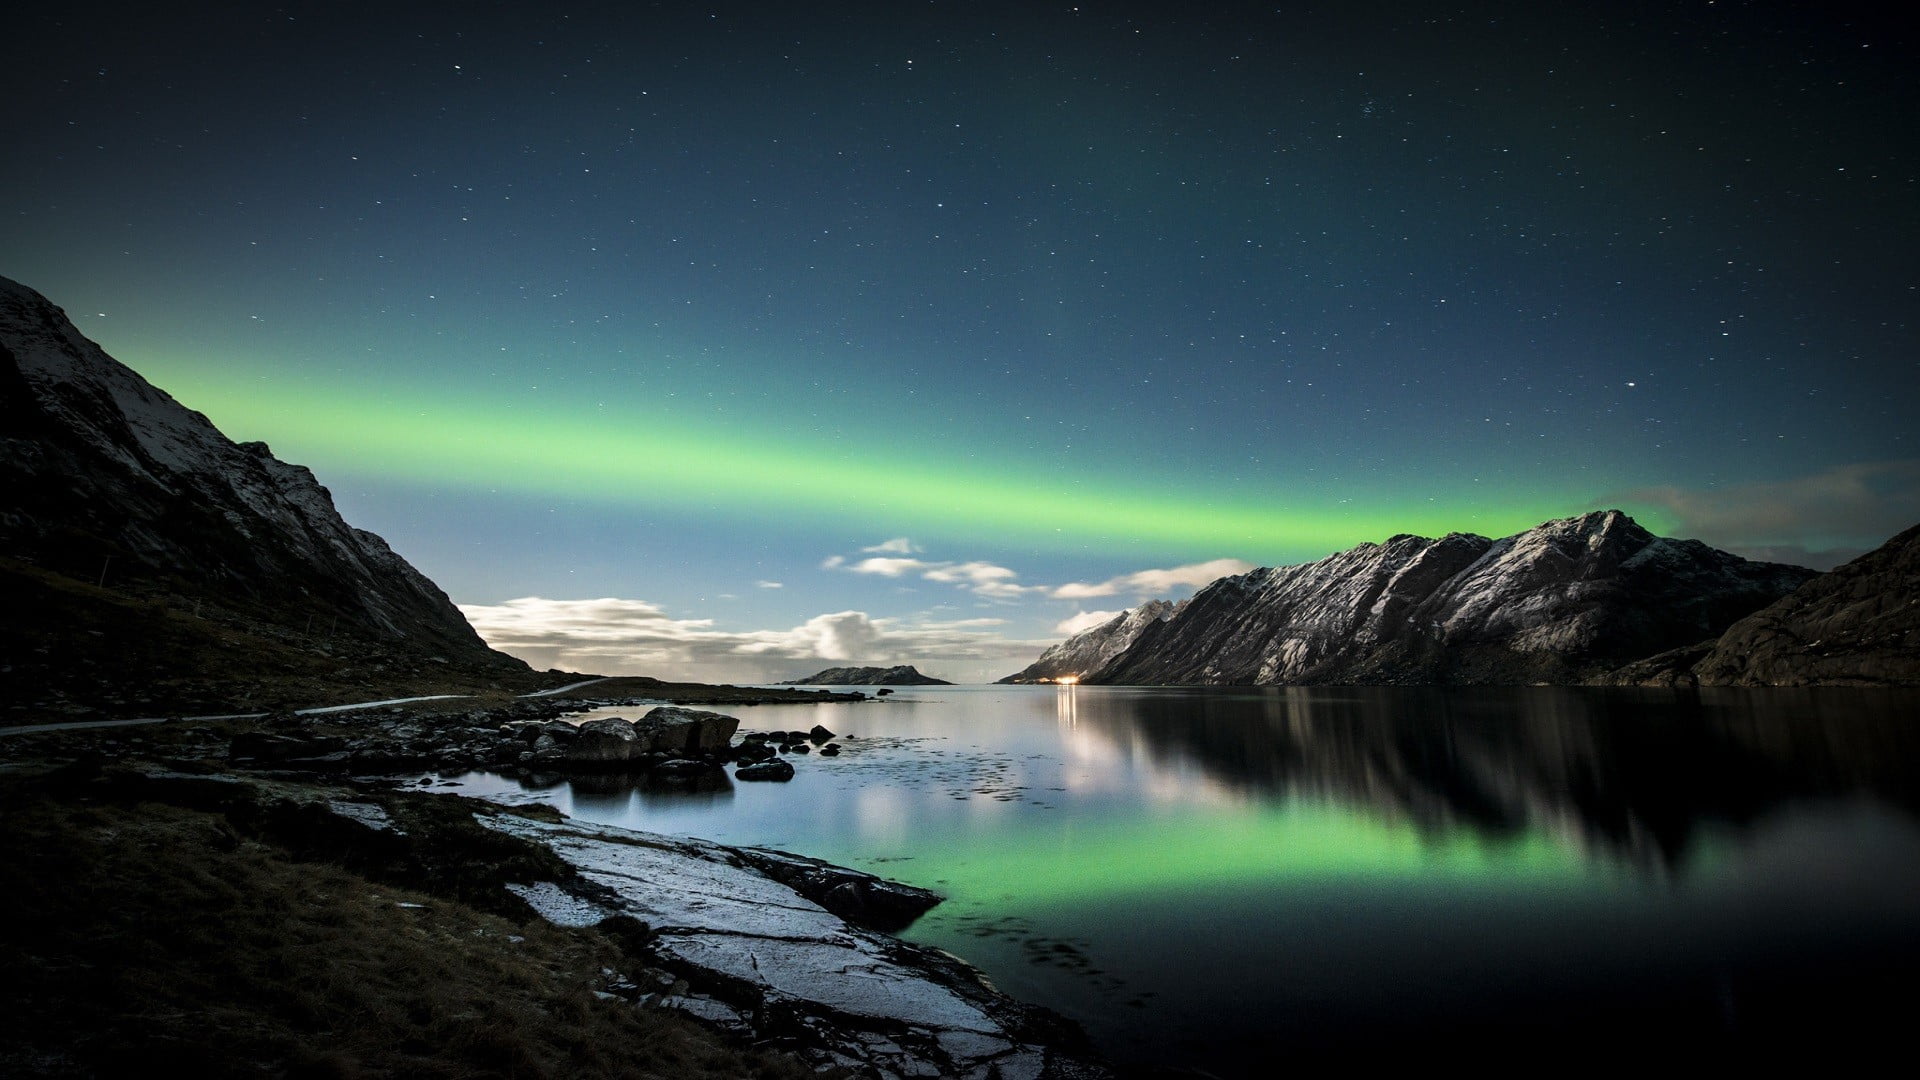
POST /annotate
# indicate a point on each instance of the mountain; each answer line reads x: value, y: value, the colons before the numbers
x: 1563, y: 602
x: 903, y: 675
x: 1858, y: 625
x: 129, y: 516
x: 1087, y: 650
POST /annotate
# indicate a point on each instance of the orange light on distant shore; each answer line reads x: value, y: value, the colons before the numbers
x: 1067, y: 680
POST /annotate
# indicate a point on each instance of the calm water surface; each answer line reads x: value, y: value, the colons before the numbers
x: 1229, y: 878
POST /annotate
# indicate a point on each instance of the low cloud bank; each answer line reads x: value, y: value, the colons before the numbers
x: 1819, y: 520
x: 614, y: 636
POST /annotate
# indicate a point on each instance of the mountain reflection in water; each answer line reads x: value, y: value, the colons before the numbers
x: 1632, y: 773
x: 1228, y: 878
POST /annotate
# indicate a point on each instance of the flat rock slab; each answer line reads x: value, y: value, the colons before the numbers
x: 755, y: 951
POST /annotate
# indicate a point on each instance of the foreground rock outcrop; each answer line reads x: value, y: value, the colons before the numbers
x: 1089, y: 650
x: 1564, y: 602
x: 773, y: 949
x: 764, y: 961
x: 900, y: 675
x: 775, y: 952
x: 1858, y: 625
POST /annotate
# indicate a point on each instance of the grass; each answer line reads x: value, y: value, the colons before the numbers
x: 142, y: 937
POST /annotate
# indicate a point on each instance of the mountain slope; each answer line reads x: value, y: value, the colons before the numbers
x: 1561, y: 602
x: 112, y: 483
x: 1089, y: 649
x: 1858, y: 625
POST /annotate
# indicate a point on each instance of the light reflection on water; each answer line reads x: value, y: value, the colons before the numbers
x: 1216, y: 876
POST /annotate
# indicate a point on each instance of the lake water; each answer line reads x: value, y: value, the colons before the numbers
x: 1227, y: 879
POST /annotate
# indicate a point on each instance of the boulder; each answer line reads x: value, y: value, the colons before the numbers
x: 819, y: 734
x: 608, y: 741
x: 765, y: 770
x: 752, y: 750
x: 677, y: 730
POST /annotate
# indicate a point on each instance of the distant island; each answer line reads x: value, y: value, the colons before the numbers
x: 903, y: 675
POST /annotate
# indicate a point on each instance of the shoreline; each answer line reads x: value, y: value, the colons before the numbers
x: 727, y: 936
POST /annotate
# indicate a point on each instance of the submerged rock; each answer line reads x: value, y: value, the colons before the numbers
x: 765, y: 770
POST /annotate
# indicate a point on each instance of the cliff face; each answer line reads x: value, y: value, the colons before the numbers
x: 1088, y: 650
x: 1562, y: 602
x: 1858, y: 625
x: 109, y: 479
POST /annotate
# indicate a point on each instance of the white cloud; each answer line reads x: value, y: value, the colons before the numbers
x: 977, y: 573
x: 1154, y: 582
x: 982, y: 579
x: 886, y: 567
x: 611, y: 636
x: 899, y: 545
x: 1084, y: 620
x: 769, y: 585
x: 979, y: 578
x: 1812, y: 519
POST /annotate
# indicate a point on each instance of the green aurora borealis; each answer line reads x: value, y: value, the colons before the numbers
x: 701, y: 306
x: 736, y: 470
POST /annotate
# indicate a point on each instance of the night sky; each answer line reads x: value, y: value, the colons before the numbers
x: 927, y: 332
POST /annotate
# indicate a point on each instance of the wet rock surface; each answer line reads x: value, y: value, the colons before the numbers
x: 761, y: 958
x: 774, y: 949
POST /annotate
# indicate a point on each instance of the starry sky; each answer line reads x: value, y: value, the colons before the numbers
x: 726, y: 340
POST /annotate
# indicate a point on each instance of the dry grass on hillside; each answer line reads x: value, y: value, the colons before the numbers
x: 153, y: 939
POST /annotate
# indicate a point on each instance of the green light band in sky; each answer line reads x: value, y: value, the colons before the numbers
x: 882, y: 482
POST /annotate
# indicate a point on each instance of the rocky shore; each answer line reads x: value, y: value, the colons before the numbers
x: 769, y: 952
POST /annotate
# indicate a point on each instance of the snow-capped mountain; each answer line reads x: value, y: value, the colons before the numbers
x: 109, y: 480
x: 1561, y: 602
x: 1089, y: 649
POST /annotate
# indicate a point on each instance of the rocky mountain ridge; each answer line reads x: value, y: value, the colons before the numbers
x: 113, y: 485
x: 1089, y: 649
x: 1563, y: 602
x: 1857, y: 625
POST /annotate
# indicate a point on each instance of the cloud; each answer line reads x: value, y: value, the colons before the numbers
x: 612, y: 636
x: 1084, y: 620
x: 769, y: 585
x: 982, y: 579
x: 979, y: 578
x: 899, y: 545
x: 886, y: 567
x: 1819, y: 518
x: 1154, y: 582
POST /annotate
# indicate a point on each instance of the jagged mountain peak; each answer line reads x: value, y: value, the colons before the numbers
x: 1559, y: 602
